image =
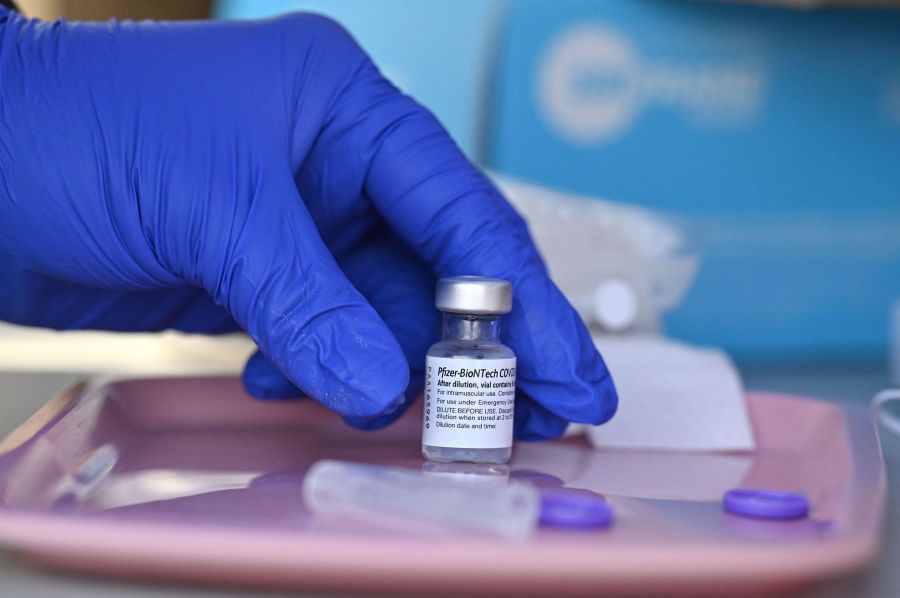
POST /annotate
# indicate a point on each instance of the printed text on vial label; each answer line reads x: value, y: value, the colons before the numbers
x: 469, y: 402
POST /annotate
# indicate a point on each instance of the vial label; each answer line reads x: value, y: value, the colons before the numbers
x: 469, y: 402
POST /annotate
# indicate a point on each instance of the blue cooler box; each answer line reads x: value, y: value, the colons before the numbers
x: 778, y: 130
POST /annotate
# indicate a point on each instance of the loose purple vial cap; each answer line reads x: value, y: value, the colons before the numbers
x: 574, y: 509
x: 765, y: 504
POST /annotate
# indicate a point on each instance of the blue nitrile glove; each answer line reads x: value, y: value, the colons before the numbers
x: 146, y: 168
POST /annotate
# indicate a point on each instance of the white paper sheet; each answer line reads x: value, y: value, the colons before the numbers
x: 673, y: 396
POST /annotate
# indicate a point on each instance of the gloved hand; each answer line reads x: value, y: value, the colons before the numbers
x: 262, y: 175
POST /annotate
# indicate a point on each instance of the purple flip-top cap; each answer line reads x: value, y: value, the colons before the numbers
x: 766, y: 504
x: 574, y: 508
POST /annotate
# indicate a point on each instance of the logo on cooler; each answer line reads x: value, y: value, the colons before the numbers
x: 592, y: 85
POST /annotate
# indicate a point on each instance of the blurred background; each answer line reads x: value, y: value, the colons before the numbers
x: 771, y: 129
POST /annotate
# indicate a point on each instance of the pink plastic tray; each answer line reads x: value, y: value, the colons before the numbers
x: 191, y: 480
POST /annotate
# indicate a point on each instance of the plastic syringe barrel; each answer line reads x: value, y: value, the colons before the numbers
x: 410, y: 500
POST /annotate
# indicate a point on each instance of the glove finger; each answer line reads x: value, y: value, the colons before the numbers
x: 533, y: 421
x: 283, y: 286
x: 401, y: 289
x: 447, y: 212
x: 263, y: 381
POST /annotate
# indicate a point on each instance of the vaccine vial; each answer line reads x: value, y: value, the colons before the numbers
x: 470, y: 376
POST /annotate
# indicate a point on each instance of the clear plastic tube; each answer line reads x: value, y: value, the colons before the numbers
x: 409, y: 500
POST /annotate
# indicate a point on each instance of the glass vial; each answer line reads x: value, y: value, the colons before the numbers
x: 470, y: 376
